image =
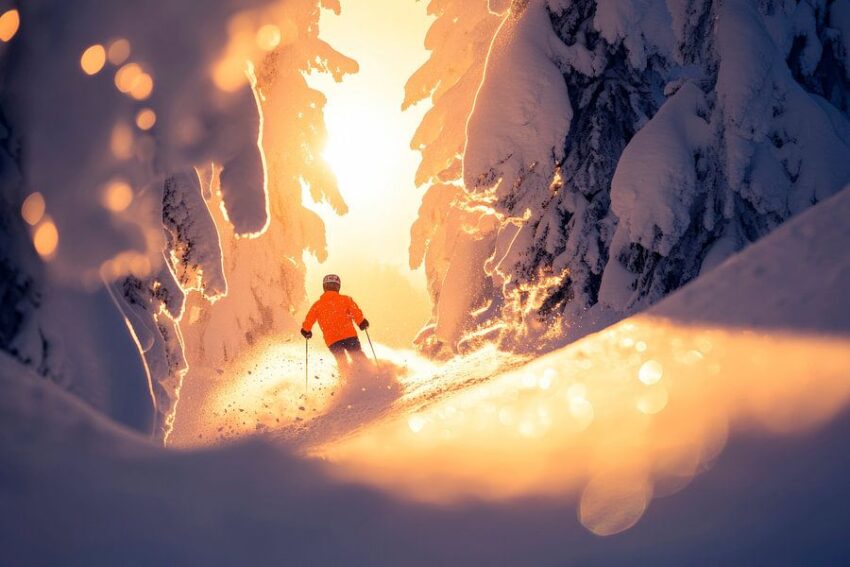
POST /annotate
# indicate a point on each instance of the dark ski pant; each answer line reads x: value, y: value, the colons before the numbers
x: 349, y: 355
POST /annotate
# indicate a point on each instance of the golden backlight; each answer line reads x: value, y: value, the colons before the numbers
x: 624, y: 416
x: 368, y: 150
x: 612, y: 421
x: 604, y: 419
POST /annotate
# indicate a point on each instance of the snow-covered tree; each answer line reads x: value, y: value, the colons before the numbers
x: 266, y: 275
x: 624, y: 147
x: 458, y: 41
x: 106, y: 127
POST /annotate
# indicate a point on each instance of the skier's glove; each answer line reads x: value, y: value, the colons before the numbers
x: 306, y: 334
x: 364, y: 324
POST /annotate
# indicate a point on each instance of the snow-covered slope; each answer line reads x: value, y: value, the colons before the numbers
x: 759, y: 343
x: 755, y: 350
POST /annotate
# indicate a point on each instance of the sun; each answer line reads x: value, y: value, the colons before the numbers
x: 361, y: 139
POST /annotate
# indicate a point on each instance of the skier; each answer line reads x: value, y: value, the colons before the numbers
x: 335, y: 313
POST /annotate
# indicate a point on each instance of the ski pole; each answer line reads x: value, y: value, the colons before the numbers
x: 306, y: 364
x: 372, y: 347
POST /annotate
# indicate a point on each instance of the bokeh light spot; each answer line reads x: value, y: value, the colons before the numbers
x: 145, y: 119
x: 126, y: 76
x: 118, y: 51
x: 10, y: 21
x: 612, y: 503
x: 268, y: 37
x: 32, y: 209
x: 117, y: 196
x: 650, y: 372
x: 229, y: 74
x: 528, y: 380
x: 653, y: 400
x: 548, y: 378
x: 576, y: 391
x: 582, y: 411
x: 416, y: 423
x: 93, y: 59
x: 46, y: 239
x: 506, y: 416
x: 121, y: 141
x: 142, y: 87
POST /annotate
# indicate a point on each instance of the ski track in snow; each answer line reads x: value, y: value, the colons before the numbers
x: 266, y: 395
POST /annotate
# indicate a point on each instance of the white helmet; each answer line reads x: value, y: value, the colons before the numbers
x: 331, y: 280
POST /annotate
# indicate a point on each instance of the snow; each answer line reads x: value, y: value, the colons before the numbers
x: 458, y: 40
x: 759, y: 343
x: 707, y: 143
x: 642, y: 27
x: 751, y: 360
x: 192, y: 236
x: 656, y: 182
x: 637, y: 143
x: 69, y: 157
x: 70, y: 136
x: 522, y: 112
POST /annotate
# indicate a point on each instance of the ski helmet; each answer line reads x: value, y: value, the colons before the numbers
x: 331, y: 281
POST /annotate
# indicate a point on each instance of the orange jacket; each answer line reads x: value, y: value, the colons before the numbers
x: 334, y: 313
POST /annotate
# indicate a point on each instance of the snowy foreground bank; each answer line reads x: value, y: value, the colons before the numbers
x: 712, y: 428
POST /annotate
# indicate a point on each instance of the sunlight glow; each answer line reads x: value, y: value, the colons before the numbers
x: 357, y: 143
x: 598, y: 433
x: 368, y: 150
x: 653, y: 400
x: 268, y: 37
x: 582, y: 410
x: 416, y: 423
